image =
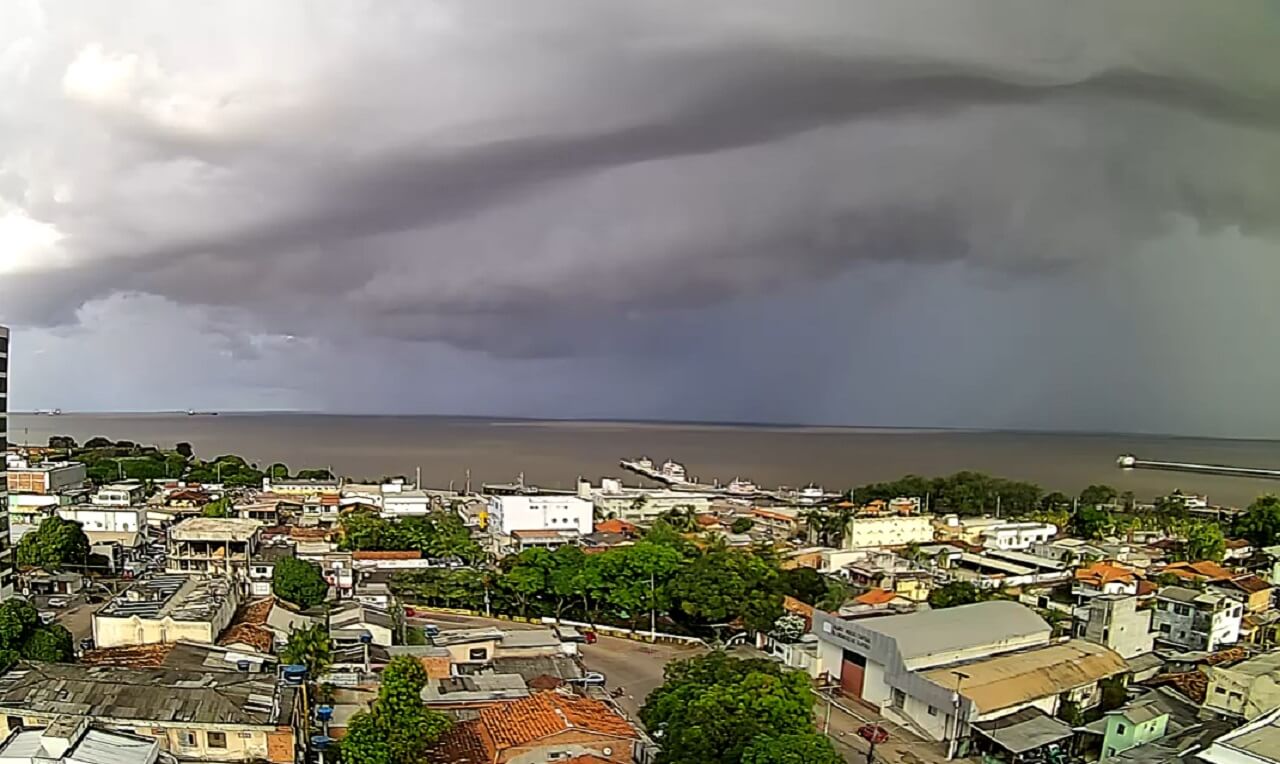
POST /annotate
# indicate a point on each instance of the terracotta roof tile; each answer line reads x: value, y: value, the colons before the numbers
x: 1193, y: 684
x: 1250, y: 584
x: 1205, y: 569
x: 463, y: 743
x: 255, y: 612
x: 615, y: 526
x: 876, y: 597
x: 706, y: 521
x: 1101, y: 573
x: 548, y: 713
x: 259, y: 638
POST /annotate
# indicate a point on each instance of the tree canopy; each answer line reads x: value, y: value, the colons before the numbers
x: 55, y: 544
x: 712, y: 709
x: 299, y: 582
x: 1204, y: 541
x: 440, y: 535
x: 309, y: 647
x: 954, y: 593
x: 399, y: 728
x: 794, y: 748
x: 22, y: 635
x: 1260, y: 524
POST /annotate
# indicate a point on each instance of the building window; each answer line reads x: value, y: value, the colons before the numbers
x: 216, y: 739
x: 899, y: 699
x: 933, y: 711
x: 189, y: 739
x: 1119, y: 729
x: 1219, y: 691
x: 1164, y: 628
x: 479, y: 653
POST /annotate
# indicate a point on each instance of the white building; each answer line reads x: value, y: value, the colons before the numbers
x: 1194, y: 620
x: 46, y: 477
x: 1017, y: 536
x: 863, y: 532
x: 117, y: 519
x: 399, y: 500
x: 533, y: 513
x: 939, y: 671
x: 640, y: 505
x: 122, y: 494
x: 1115, y: 621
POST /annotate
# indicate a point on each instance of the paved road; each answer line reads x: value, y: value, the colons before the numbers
x: 634, y: 666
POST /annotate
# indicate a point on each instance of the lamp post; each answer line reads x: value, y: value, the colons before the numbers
x: 956, y: 700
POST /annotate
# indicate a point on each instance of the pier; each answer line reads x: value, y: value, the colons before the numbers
x: 1131, y: 462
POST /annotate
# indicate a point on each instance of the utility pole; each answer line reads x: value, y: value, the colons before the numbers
x: 954, y: 747
x: 653, y: 612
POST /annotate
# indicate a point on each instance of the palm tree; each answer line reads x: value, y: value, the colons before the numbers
x: 309, y: 647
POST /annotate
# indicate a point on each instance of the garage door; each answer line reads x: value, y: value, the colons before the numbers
x: 852, y: 669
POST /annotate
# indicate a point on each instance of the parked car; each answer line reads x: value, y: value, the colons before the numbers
x: 59, y: 601
x: 431, y: 630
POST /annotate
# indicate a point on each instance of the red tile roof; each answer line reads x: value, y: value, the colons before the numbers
x: 706, y: 521
x: 256, y: 612
x: 1101, y: 573
x: 1204, y: 569
x: 550, y: 713
x: 615, y: 526
x: 464, y: 743
x: 876, y: 597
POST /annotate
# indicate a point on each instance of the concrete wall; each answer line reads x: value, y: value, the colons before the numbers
x: 1238, y: 694
x: 567, y: 745
x: 888, y: 531
x: 190, y: 742
x: 117, y: 520
x: 530, y: 513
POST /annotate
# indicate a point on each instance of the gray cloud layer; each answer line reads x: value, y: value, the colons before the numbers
x: 573, y: 180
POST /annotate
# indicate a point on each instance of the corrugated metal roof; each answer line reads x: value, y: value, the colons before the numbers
x: 929, y: 632
x: 1021, y: 677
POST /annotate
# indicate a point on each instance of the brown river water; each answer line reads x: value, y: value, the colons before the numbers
x: 554, y: 454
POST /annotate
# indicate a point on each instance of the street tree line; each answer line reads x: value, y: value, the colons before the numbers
x: 438, y: 535
x: 661, y: 578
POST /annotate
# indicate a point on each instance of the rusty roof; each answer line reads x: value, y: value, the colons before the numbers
x: 1101, y: 573
x: 1193, y: 684
x: 1205, y: 569
x: 387, y: 555
x: 129, y: 656
x: 876, y: 597
x: 464, y: 743
x: 1249, y: 584
x: 258, y: 637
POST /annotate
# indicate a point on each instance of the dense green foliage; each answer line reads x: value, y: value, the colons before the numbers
x: 23, y: 636
x: 299, y: 582
x: 55, y: 544
x: 1204, y: 541
x: 958, y: 593
x: 713, y: 708
x: 107, y: 461
x: 965, y: 493
x: 812, y: 588
x: 659, y: 577
x: 308, y: 647
x: 399, y: 728
x: 217, y: 508
x: 794, y: 748
x: 1260, y: 524
x: 439, y: 535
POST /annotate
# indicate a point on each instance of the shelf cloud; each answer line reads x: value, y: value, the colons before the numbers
x: 572, y: 182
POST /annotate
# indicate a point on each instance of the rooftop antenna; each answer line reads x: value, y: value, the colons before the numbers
x: 468, y: 480
x: 417, y: 479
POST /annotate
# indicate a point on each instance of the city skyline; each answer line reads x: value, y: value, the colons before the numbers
x: 962, y: 214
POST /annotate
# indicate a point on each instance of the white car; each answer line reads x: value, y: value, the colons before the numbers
x: 48, y: 616
x: 59, y: 602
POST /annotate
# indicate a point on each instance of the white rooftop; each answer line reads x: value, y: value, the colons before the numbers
x: 929, y: 632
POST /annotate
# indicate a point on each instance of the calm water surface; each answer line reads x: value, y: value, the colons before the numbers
x: 554, y: 454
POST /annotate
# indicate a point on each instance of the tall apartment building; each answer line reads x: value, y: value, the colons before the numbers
x: 6, y: 549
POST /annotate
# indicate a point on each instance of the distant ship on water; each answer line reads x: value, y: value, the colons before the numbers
x: 193, y: 412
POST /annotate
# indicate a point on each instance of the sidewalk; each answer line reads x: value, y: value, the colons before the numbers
x: 903, y: 746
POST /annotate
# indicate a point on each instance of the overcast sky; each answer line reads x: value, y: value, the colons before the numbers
x: 953, y: 213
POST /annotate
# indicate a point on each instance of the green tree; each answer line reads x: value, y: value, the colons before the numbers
x: 217, y: 508
x: 50, y: 643
x: 712, y: 708
x: 1097, y: 495
x: 309, y: 647
x: 1260, y: 524
x: 805, y: 584
x: 365, y: 742
x: 299, y: 582
x: 956, y: 593
x: 62, y: 441
x: 1204, y: 542
x: 315, y: 475
x: 795, y: 748
x: 56, y: 543
x: 742, y: 525
x: 723, y: 585
x: 185, y: 450
x: 1089, y: 522
x: 18, y: 618
x: 399, y: 728
x: 527, y: 576
x: 633, y: 580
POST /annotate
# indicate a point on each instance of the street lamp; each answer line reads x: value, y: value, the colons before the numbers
x: 956, y: 700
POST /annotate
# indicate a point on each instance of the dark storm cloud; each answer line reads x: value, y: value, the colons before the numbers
x: 578, y: 178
